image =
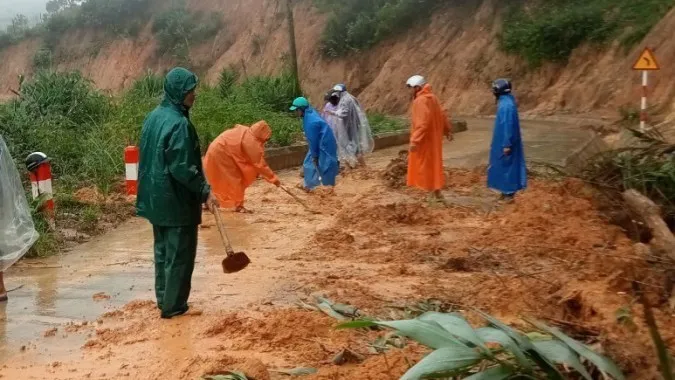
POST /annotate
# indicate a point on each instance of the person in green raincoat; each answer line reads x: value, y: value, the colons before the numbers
x: 171, y: 190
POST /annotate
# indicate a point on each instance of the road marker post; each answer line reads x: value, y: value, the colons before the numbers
x: 645, y: 63
x: 41, y: 186
x: 131, y: 158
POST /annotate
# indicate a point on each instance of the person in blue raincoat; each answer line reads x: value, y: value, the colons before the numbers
x: 507, y: 172
x: 321, y: 164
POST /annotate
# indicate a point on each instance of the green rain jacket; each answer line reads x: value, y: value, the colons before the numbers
x: 171, y: 182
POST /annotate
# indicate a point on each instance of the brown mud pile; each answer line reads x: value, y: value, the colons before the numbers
x: 550, y: 255
x: 395, y: 173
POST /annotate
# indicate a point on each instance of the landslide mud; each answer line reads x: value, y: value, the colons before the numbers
x: 550, y: 255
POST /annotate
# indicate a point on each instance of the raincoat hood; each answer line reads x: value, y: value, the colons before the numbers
x: 426, y: 89
x: 262, y: 131
x: 177, y: 84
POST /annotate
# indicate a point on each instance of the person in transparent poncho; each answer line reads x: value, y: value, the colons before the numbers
x: 352, y: 129
x: 17, y: 231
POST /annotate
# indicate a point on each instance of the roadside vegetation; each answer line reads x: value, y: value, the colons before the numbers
x: 537, y: 31
x: 85, y: 132
x: 356, y: 25
x: 176, y: 29
x: 551, y: 30
x: 647, y: 165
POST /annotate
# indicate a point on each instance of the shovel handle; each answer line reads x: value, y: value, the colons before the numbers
x: 287, y: 191
x: 221, y: 228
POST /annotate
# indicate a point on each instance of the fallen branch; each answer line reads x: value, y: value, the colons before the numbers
x: 663, y: 240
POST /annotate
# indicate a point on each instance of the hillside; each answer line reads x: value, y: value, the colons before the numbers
x: 458, y: 50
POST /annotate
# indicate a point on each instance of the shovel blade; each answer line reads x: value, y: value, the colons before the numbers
x: 235, y: 262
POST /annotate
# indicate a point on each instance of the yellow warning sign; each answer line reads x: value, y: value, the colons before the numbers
x: 647, y: 61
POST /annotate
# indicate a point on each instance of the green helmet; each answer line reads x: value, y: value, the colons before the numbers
x: 299, y: 103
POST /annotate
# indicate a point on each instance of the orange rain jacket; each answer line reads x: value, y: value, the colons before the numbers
x: 235, y: 159
x: 429, y: 125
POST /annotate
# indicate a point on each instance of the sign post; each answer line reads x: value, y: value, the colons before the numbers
x: 645, y: 63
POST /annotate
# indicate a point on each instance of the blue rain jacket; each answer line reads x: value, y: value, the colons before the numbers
x: 322, y: 146
x: 507, y: 173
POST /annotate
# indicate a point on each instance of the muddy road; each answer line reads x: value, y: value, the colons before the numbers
x: 89, y: 313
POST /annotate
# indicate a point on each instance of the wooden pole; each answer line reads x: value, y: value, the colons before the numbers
x: 292, y: 47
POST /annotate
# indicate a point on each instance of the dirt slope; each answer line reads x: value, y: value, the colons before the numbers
x: 458, y: 52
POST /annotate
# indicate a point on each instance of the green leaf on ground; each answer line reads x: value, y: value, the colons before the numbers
x: 558, y: 352
x: 442, y: 361
x: 604, y: 364
x: 456, y: 325
x: 494, y: 373
x: 493, y: 335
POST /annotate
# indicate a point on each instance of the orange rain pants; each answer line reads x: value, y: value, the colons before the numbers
x: 429, y: 125
x: 235, y: 159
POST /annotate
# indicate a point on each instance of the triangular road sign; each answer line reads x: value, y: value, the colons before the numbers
x: 647, y: 61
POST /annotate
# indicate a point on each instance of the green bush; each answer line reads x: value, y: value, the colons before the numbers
x: 274, y: 93
x: 42, y: 59
x: 357, y: 25
x: 226, y: 81
x: 381, y: 123
x: 551, y: 30
x: 149, y: 85
x: 647, y: 166
x: 115, y: 16
x: 177, y: 29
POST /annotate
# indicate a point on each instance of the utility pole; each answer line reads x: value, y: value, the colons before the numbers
x: 293, y: 51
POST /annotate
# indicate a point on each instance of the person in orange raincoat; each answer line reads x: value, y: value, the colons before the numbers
x: 429, y: 125
x: 234, y: 160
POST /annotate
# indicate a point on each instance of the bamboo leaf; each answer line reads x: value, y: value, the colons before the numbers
x: 492, y: 335
x: 494, y: 373
x: 456, y: 325
x: 558, y: 352
x: 359, y: 324
x: 604, y: 364
x: 296, y: 371
x: 526, y: 346
x: 328, y: 310
x: 429, y: 334
x: 443, y: 360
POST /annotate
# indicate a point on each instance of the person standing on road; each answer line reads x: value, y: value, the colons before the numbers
x: 353, y: 133
x: 171, y: 190
x: 17, y: 231
x: 429, y: 125
x: 507, y: 172
x: 234, y: 161
x: 321, y: 163
x: 330, y: 110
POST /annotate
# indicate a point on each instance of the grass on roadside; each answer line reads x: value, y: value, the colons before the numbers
x: 85, y: 132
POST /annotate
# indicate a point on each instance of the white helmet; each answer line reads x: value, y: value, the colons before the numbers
x: 416, y: 81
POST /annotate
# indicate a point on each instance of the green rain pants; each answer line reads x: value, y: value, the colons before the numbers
x: 175, y: 252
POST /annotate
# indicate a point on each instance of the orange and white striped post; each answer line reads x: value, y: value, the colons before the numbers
x: 131, y: 158
x: 643, y: 102
x: 645, y: 63
x: 41, y: 185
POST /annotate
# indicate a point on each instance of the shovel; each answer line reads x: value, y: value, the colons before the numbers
x: 235, y: 261
x: 297, y: 199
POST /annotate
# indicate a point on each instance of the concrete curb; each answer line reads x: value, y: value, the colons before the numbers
x: 293, y: 156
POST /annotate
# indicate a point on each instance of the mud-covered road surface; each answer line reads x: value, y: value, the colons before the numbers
x: 90, y: 312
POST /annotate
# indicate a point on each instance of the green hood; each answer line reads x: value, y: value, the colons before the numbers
x: 177, y: 84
